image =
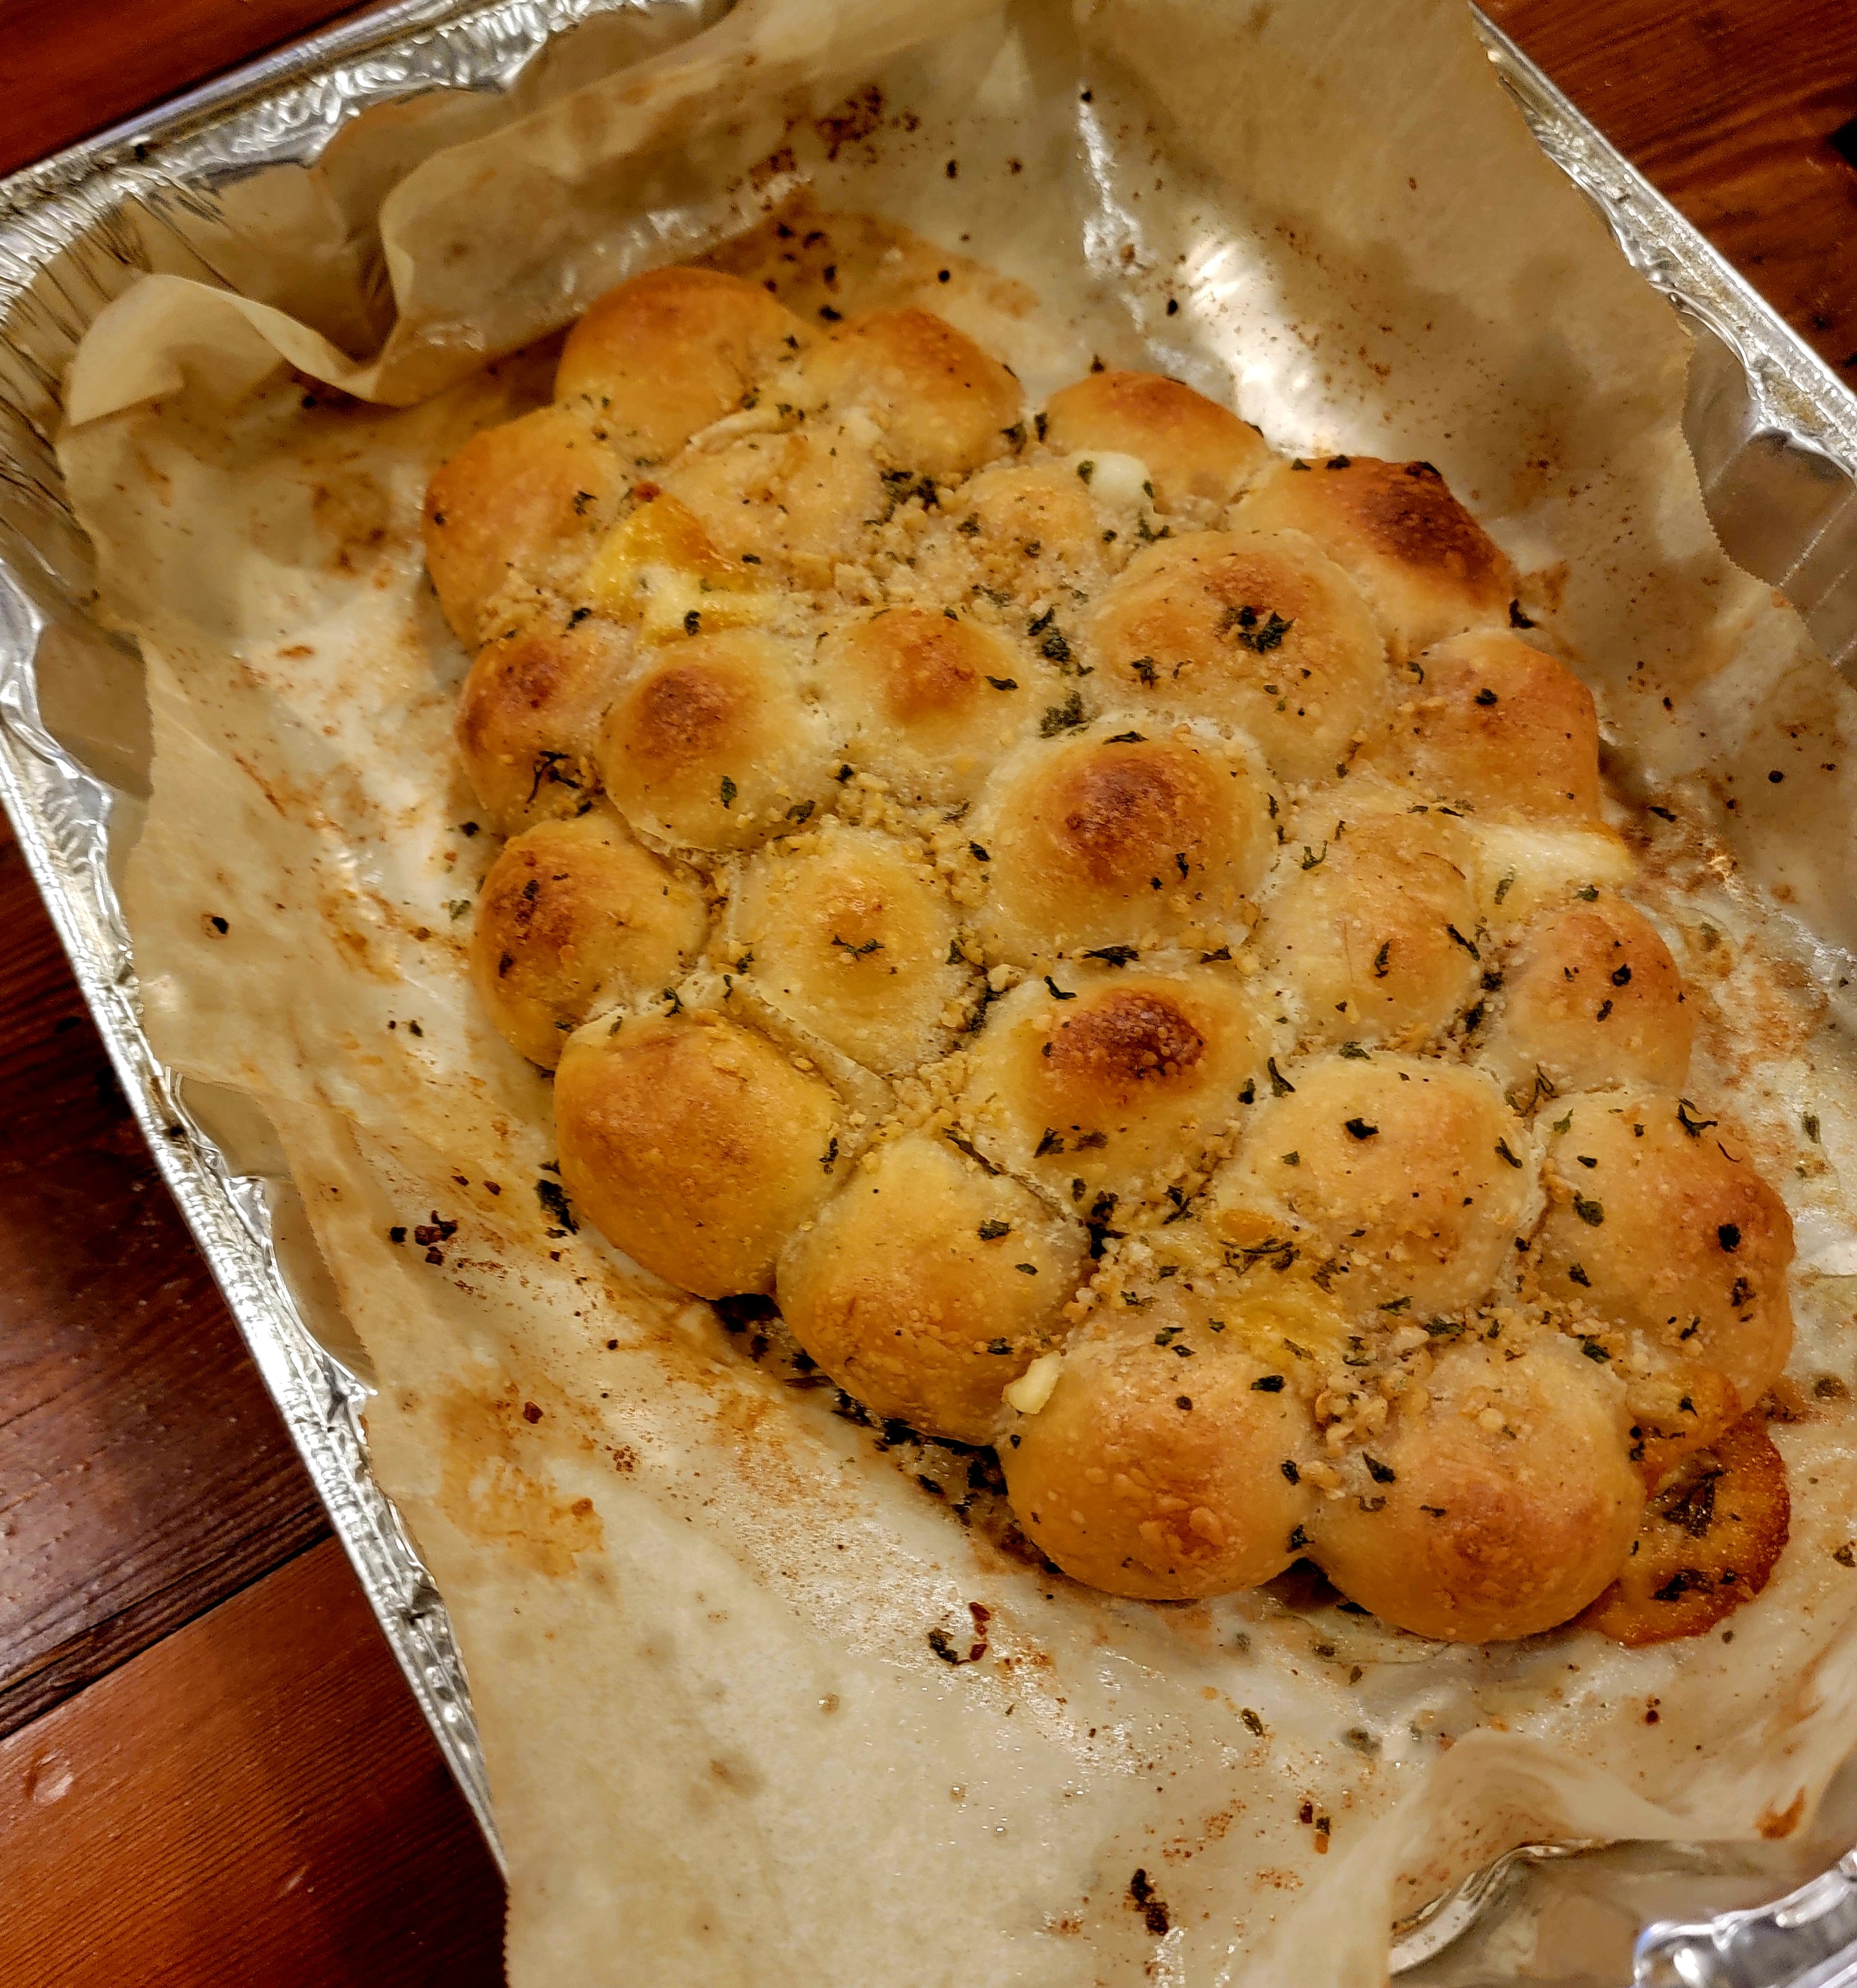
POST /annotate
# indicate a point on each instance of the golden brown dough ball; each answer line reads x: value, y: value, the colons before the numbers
x: 575, y: 915
x: 515, y: 513
x: 927, y: 701
x: 1255, y: 630
x: 1372, y: 921
x: 1112, y: 1078
x: 1191, y: 446
x: 711, y: 745
x: 852, y: 936
x: 1592, y: 997
x: 1412, y: 1175
x: 1155, y: 1468
x: 1116, y: 836
x: 944, y: 404
x: 529, y: 717
x: 1427, y: 568
x: 667, y: 352
x: 694, y: 1145
x: 927, y: 1285
x: 797, y: 503
x: 1500, y: 1507
x: 1499, y: 727
x: 1659, y: 1221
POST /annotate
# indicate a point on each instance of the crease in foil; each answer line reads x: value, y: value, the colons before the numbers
x: 1775, y: 434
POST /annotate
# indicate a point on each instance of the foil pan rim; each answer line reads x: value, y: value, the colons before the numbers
x: 285, y: 108
x: 1796, y: 389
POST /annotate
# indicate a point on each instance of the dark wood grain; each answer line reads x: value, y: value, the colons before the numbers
x: 70, y: 68
x: 1731, y: 110
x: 254, y: 1803
x: 144, y: 1472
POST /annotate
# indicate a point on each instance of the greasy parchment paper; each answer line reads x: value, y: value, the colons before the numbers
x: 694, y: 1604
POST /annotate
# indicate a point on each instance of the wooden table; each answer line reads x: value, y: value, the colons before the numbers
x: 209, y: 1772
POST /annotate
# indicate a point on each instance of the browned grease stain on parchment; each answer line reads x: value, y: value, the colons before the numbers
x: 1775, y: 1824
x: 488, y: 1491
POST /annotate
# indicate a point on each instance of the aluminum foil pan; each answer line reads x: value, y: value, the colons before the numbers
x: 1775, y: 434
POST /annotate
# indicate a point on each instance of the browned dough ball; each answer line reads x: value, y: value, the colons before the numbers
x: 516, y: 514
x: 927, y: 702
x: 529, y: 717
x: 1500, y: 1507
x: 928, y: 1285
x: 1254, y: 630
x: 1670, y: 1230
x: 1114, y: 837
x: 693, y: 1145
x: 1191, y: 446
x: 1372, y: 920
x: 1099, y: 1079
x: 944, y: 405
x: 575, y: 915
x: 667, y: 352
x: 1411, y: 1175
x: 796, y: 503
x: 1709, y: 1543
x: 1155, y: 1468
x: 1427, y: 568
x: 1499, y: 727
x: 1592, y: 997
x: 852, y: 936
x: 710, y: 745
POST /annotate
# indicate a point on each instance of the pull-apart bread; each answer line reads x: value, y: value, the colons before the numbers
x: 1116, y: 933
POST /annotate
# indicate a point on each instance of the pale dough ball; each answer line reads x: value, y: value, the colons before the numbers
x: 711, y: 745
x: 1410, y: 1175
x: 1497, y: 727
x: 667, y: 353
x: 928, y: 1285
x: 1371, y: 921
x: 1098, y: 1079
x: 530, y: 715
x: 515, y: 515
x: 927, y: 701
x: 1530, y: 866
x: 1657, y: 1220
x: 1257, y: 631
x: 944, y: 405
x: 1500, y: 1508
x: 1591, y: 997
x: 575, y: 915
x: 1676, y: 1406
x: 1156, y: 1467
x: 1127, y: 834
x: 1191, y: 446
x: 797, y: 503
x: 852, y: 936
x: 1030, y: 529
x: 693, y: 1145
x: 1427, y: 568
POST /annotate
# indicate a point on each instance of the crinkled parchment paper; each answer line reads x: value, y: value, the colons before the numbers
x: 694, y: 1604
